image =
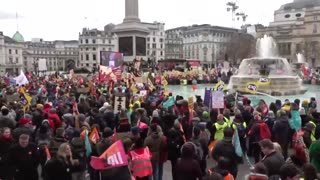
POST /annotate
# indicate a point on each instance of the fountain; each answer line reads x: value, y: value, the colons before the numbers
x: 270, y: 74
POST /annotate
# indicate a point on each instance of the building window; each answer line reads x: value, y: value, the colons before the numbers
x: 154, y: 39
x: 87, y: 41
x: 16, y: 51
x: 315, y: 18
x: 109, y: 41
x: 154, y: 45
x: 94, y: 48
x: 287, y: 16
x: 103, y: 41
x: 161, y: 46
x: 87, y: 65
x: 103, y: 49
x: 9, y: 51
x: 87, y: 49
x: 17, y: 60
x: 161, y: 53
x: 94, y: 57
x: 148, y: 39
x: 298, y: 15
x: 87, y: 57
x: 315, y: 28
x: 93, y: 41
x: 81, y: 57
x: 110, y: 49
x: 161, y: 40
x: 80, y: 41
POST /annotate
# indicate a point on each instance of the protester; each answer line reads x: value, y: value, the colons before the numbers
x: 6, y: 141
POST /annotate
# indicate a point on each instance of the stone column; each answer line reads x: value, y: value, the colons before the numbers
x: 132, y: 11
x: 134, y: 46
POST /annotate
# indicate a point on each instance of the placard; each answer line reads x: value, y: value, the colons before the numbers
x: 42, y: 65
x: 119, y: 103
x: 143, y: 92
x: 217, y: 99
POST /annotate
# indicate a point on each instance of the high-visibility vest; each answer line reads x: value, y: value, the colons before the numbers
x: 219, y: 130
x: 313, y: 138
x: 227, y: 177
x: 141, y: 163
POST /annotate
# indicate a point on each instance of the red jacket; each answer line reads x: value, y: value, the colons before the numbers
x: 55, y: 119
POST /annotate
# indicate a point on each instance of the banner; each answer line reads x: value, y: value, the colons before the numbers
x: 119, y: 103
x: 21, y: 79
x: 207, y: 96
x: 217, y: 100
x: 42, y: 65
x: 113, y: 157
x: 94, y: 136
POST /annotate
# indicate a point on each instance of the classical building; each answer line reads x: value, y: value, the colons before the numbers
x: 59, y: 55
x: 205, y: 43
x: 132, y: 37
x: 296, y: 28
x: 11, y: 53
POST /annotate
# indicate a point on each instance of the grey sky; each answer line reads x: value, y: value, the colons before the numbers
x: 64, y: 19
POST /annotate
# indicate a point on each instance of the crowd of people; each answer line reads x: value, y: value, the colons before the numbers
x: 44, y: 135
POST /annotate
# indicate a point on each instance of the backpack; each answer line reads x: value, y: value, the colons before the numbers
x: 264, y: 131
x: 241, y: 129
x: 199, y: 150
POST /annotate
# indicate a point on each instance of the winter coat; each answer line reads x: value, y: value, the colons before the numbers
x: 314, y: 151
x: 83, y: 108
x: 25, y: 162
x: 224, y: 148
x: 78, y: 152
x: 295, y: 120
x: 273, y: 163
x: 56, y: 120
x: 187, y: 169
x: 281, y: 130
x: 174, y: 142
x: 155, y: 145
x: 6, y: 171
x: 57, y: 169
x: 55, y: 144
x: 254, y: 132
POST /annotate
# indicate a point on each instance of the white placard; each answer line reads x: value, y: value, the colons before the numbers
x: 217, y: 100
x: 143, y: 92
x: 42, y: 64
x: 118, y: 103
x: 318, y: 101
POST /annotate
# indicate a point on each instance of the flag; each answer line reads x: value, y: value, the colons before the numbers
x: 169, y: 102
x: 87, y: 145
x: 151, y: 86
x: 83, y: 134
x: 113, y: 157
x: 207, y: 96
x: 304, y: 70
x: 47, y: 152
x: 236, y: 143
x: 164, y: 82
x: 251, y: 88
x: 25, y: 99
x: 21, y: 79
x: 220, y: 86
x: 194, y: 87
x: 94, y: 136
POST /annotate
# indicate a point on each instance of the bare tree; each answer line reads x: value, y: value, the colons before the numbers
x: 240, y: 46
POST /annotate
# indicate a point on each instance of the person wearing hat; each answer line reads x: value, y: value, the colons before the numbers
x: 25, y: 127
x: 57, y: 141
x: 119, y: 173
x: 133, y: 136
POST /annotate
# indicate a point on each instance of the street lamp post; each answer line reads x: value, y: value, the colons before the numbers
x: 232, y: 6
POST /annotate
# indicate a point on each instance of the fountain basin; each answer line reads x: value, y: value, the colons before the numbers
x: 282, y: 82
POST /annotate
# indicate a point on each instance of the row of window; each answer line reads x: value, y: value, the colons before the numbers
x: 11, y: 51
x: 87, y: 65
x: 154, y: 53
x: 93, y: 41
x: 87, y: 57
x: 52, y: 52
x: 154, y: 40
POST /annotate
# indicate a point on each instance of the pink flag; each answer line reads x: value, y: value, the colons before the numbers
x: 113, y: 157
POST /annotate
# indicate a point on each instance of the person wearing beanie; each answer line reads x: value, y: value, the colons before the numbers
x: 25, y: 127
x: 187, y: 167
x: 205, y: 116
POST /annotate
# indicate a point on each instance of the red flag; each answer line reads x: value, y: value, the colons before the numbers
x: 47, y: 152
x: 94, y: 136
x: 194, y: 87
x: 113, y: 157
x: 304, y: 70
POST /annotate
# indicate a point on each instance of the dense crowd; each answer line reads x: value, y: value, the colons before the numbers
x: 45, y: 134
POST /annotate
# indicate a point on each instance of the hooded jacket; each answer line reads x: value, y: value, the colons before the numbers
x: 281, y: 130
x: 295, y: 120
x: 155, y: 144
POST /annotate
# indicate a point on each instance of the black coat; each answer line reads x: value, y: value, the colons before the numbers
x: 281, y: 130
x: 6, y: 171
x: 273, y: 163
x: 57, y: 170
x: 21, y: 130
x: 25, y: 162
x: 5, y: 121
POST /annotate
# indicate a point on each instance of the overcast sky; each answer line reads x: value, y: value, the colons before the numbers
x: 64, y: 19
